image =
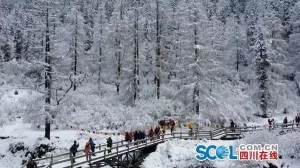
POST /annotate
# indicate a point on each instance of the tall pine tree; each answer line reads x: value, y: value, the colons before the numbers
x: 262, y: 65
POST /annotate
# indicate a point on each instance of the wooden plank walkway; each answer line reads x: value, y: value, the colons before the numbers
x: 121, y: 148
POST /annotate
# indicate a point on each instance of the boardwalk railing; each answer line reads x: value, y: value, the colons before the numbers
x: 122, y: 147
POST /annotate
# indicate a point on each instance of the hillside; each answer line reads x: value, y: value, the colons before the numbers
x: 117, y: 64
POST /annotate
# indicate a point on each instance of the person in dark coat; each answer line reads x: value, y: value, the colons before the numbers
x: 143, y: 136
x: 297, y: 119
x: 139, y: 136
x: 285, y: 121
x: 73, y: 150
x: 93, y: 145
x: 232, y: 126
x: 127, y: 137
x: 31, y: 163
x: 173, y: 125
x: 135, y: 137
x: 109, y: 144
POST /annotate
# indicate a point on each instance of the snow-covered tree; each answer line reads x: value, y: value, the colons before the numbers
x: 262, y: 65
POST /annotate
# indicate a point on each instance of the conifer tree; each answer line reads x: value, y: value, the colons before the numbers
x: 262, y: 65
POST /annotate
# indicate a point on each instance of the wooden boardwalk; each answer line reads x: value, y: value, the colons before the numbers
x: 121, y: 150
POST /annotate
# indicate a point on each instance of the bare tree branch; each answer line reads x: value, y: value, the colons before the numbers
x: 56, y: 92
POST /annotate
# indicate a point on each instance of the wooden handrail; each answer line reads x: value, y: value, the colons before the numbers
x: 118, y: 145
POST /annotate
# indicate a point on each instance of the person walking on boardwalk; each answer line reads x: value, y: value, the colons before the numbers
x: 31, y: 163
x: 93, y: 145
x: 135, y: 137
x: 173, y: 125
x: 270, y: 123
x: 285, y: 121
x: 156, y: 132
x: 73, y: 150
x: 232, y: 126
x: 131, y: 136
x: 151, y: 134
x: 172, y: 129
x: 127, y: 137
x: 142, y: 136
x: 297, y: 120
x: 162, y: 133
x: 87, y: 151
x: 109, y: 144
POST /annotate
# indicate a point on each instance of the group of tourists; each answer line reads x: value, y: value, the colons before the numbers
x: 89, y: 148
x: 134, y: 136
x: 285, y: 122
x: 139, y: 136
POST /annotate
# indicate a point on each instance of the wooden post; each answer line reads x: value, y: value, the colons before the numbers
x: 99, y: 146
x: 117, y: 150
x: 146, y: 140
x: 104, y: 153
x: 180, y: 135
x: 122, y: 142
x: 71, y: 158
x: 211, y: 135
x: 137, y: 144
x: 51, y: 160
x: 128, y: 146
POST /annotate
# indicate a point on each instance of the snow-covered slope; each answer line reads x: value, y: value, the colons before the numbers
x: 181, y: 153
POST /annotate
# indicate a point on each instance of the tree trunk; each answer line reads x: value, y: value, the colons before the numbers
x: 100, y: 57
x: 196, y: 90
x: 48, y: 79
x: 118, y: 53
x: 118, y: 67
x: 75, y: 54
x: 237, y: 51
x: 136, y: 56
x: 157, y: 76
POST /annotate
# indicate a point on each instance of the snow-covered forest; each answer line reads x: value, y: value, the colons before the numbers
x: 123, y: 63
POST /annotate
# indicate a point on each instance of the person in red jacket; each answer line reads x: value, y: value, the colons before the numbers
x: 87, y: 151
x: 151, y: 134
x: 270, y: 123
x: 130, y: 136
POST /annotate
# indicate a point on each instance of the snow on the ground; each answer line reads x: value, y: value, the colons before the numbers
x: 62, y: 140
x: 181, y: 153
x: 177, y: 153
